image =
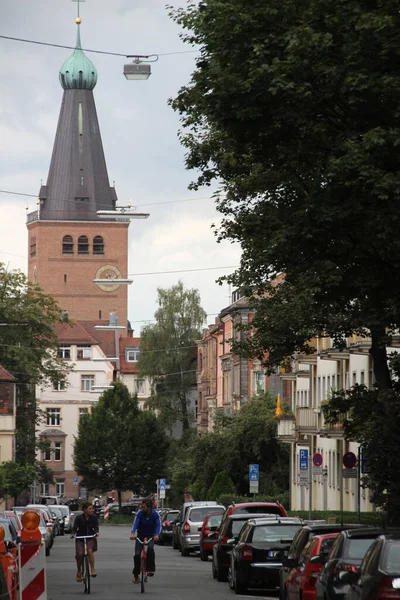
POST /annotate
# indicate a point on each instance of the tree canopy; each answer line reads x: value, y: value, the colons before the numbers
x: 293, y: 107
x: 168, y: 354
x: 119, y: 446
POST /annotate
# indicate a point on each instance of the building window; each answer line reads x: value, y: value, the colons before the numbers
x: 57, y: 451
x: 83, y: 351
x: 45, y: 489
x: 354, y: 377
x: 64, y: 352
x: 53, y: 417
x: 83, y: 411
x: 59, y: 386
x: 83, y: 245
x: 98, y: 245
x: 68, y: 245
x: 362, y: 377
x: 87, y: 382
x: 47, y: 453
x: 132, y: 354
x: 33, y: 249
x: 140, y: 386
x: 259, y: 382
x: 60, y: 487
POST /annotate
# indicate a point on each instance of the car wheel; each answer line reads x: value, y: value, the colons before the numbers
x: 47, y: 551
x: 214, y: 570
x: 185, y: 551
x: 174, y: 544
x: 231, y: 581
x: 240, y: 588
x: 203, y: 556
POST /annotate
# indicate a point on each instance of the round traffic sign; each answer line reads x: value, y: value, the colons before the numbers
x: 349, y: 460
x: 317, y: 459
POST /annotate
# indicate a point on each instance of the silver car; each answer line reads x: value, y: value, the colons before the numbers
x: 193, y: 519
x: 65, y: 512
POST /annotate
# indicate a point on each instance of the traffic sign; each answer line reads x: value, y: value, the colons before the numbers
x: 317, y: 459
x: 254, y: 473
x: 75, y: 481
x: 349, y: 473
x: 162, y: 484
x: 349, y: 460
x: 303, y: 456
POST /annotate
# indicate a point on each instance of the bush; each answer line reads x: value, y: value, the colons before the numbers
x: 222, y: 485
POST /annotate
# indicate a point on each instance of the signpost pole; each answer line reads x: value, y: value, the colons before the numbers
x: 341, y: 482
x: 359, y: 486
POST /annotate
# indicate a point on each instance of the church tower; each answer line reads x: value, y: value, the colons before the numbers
x: 69, y: 245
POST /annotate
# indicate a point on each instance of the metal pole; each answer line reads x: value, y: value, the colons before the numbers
x: 341, y: 482
x: 359, y: 486
x: 310, y: 478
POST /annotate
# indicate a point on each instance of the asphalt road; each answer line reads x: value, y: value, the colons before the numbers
x: 177, y: 577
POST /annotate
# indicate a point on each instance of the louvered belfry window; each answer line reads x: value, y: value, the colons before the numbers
x: 68, y: 245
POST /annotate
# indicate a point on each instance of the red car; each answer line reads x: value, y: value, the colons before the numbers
x: 209, y: 534
x: 300, y: 583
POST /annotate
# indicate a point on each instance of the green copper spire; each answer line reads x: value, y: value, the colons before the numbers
x: 78, y: 72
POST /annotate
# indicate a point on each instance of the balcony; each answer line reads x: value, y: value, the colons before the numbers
x: 306, y: 419
x: 287, y: 429
x: 331, y: 431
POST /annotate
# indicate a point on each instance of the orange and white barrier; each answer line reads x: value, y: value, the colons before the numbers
x: 106, y: 512
x: 8, y: 571
x: 32, y: 559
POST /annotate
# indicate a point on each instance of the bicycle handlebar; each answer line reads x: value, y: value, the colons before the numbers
x: 84, y: 537
x: 145, y: 542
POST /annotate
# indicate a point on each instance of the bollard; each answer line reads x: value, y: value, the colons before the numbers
x: 32, y: 559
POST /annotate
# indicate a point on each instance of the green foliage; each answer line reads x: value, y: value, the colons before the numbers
x: 118, y: 446
x: 286, y: 109
x: 15, y: 479
x: 168, y: 352
x: 222, y: 484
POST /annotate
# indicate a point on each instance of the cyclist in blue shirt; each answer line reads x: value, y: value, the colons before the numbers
x: 147, y: 524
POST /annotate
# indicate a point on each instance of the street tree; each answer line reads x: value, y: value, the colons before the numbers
x: 28, y: 350
x: 168, y: 354
x: 293, y: 107
x: 118, y: 446
x: 15, y: 479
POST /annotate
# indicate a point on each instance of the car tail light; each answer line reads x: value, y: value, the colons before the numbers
x: 344, y: 567
x: 246, y: 553
x: 186, y: 527
x: 386, y: 591
x: 167, y: 523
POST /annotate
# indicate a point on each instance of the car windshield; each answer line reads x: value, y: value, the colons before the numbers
x: 236, y: 527
x: 14, y: 521
x: 64, y: 510
x: 171, y: 516
x: 56, y: 512
x: 391, y: 558
x: 197, y: 515
x: 215, y: 520
x: 355, y: 549
x: 275, y: 533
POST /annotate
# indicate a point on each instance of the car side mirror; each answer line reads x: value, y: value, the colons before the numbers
x: 318, y: 559
x: 231, y: 541
x: 348, y: 577
x: 212, y: 535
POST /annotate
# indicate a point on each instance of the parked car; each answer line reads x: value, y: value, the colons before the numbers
x: 257, y: 557
x: 50, y: 500
x: 65, y: 513
x: 190, y: 534
x: 226, y: 538
x: 208, y: 534
x: 47, y: 514
x: 300, y: 584
x: 47, y: 538
x: 15, y: 520
x: 346, y: 554
x: 254, y: 508
x: 59, y: 520
x: 176, y: 532
x: 379, y: 575
x: 300, y: 541
x: 167, y: 521
x: 11, y: 535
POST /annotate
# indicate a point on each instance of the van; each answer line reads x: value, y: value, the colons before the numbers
x: 176, y: 533
x: 49, y: 500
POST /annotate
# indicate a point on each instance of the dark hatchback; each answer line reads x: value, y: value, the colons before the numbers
x: 300, y: 540
x: 257, y: 558
x: 226, y: 539
x: 167, y: 521
x: 379, y: 575
x: 346, y: 554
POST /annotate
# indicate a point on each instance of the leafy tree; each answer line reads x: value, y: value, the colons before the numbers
x: 294, y: 108
x: 15, y: 479
x: 168, y: 352
x: 118, y: 446
x: 222, y: 484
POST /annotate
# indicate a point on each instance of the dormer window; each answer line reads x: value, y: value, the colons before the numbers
x: 83, y: 245
x: 132, y: 354
x: 83, y: 352
x: 68, y: 245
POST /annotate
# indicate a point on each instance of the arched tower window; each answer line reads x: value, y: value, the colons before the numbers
x: 68, y: 245
x: 83, y: 245
x: 98, y: 245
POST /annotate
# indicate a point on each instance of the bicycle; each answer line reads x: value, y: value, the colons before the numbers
x: 143, y: 562
x: 86, y: 566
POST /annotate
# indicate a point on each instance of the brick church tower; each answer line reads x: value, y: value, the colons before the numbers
x: 69, y: 245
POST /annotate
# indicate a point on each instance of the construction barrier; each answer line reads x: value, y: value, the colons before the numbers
x: 8, y: 571
x: 106, y: 512
x: 32, y: 559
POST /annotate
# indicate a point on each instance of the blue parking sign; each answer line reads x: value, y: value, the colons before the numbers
x: 303, y: 457
x: 162, y: 484
x: 254, y: 473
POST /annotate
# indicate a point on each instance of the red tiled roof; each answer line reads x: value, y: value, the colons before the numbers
x: 5, y: 375
x: 105, y: 339
x: 73, y: 334
x: 128, y: 368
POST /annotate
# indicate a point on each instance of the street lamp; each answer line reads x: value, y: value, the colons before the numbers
x: 139, y: 69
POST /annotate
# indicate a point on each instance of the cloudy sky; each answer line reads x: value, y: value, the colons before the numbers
x: 139, y: 132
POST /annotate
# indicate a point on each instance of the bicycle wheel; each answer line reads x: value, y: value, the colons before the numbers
x: 142, y: 574
x: 87, y: 575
